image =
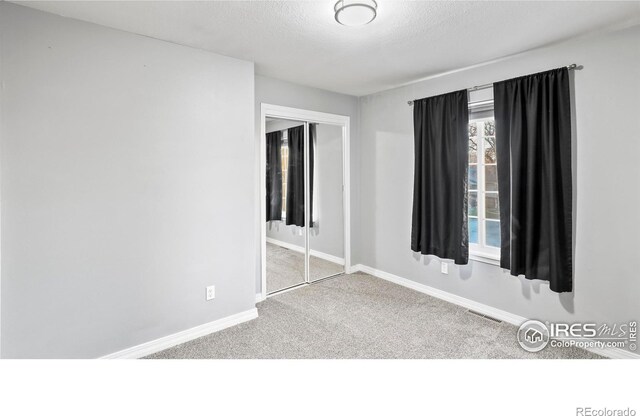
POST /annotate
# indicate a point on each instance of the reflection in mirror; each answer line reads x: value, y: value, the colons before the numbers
x: 285, y: 204
x: 326, y: 229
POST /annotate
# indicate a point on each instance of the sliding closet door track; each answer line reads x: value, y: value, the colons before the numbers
x: 286, y: 289
x: 300, y: 285
x: 322, y: 279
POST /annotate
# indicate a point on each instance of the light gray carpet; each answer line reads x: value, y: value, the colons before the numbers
x: 285, y: 268
x: 360, y: 316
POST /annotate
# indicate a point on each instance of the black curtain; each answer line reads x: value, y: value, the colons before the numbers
x: 274, y: 176
x: 533, y: 135
x: 439, y: 221
x: 312, y: 147
x: 295, y: 175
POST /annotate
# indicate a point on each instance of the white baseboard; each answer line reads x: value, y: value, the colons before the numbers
x: 327, y: 257
x: 441, y: 294
x: 314, y: 253
x: 259, y: 297
x: 142, y: 350
x: 476, y: 306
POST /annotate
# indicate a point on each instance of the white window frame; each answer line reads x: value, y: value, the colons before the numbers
x: 481, y: 251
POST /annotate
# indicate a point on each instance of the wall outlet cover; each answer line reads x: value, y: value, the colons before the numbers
x: 211, y: 292
x: 444, y: 268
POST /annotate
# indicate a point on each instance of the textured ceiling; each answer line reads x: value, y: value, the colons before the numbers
x: 300, y: 41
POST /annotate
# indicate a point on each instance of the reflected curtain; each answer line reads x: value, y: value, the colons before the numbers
x: 274, y: 176
x: 533, y: 132
x: 295, y: 175
x: 439, y: 220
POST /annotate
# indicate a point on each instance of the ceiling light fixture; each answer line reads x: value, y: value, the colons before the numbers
x: 355, y: 12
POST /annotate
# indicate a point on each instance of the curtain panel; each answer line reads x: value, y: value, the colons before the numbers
x: 295, y: 175
x: 274, y: 176
x: 533, y: 132
x: 441, y: 138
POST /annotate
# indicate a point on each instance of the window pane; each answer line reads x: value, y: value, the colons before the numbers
x: 492, y: 209
x: 490, y: 128
x: 473, y: 203
x: 473, y: 142
x: 473, y: 177
x: 473, y: 150
x: 491, y: 178
x: 489, y: 150
x: 473, y: 230
x: 473, y: 129
x: 493, y: 233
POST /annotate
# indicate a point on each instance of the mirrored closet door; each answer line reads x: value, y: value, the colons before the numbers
x: 304, y: 202
x: 326, y: 228
x: 286, y: 232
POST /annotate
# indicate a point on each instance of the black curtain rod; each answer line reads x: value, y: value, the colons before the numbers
x: 485, y: 86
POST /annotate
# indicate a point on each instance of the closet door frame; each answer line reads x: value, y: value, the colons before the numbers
x: 306, y: 116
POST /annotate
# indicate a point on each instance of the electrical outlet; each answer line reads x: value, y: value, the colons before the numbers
x: 211, y: 292
x: 444, y: 268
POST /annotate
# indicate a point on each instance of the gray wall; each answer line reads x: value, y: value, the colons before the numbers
x: 607, y: 174
x: 327, y: 233
x: 274, y: 91
x: 125, y: 167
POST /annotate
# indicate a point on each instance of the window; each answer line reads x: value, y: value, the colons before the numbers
x: 484, y: 213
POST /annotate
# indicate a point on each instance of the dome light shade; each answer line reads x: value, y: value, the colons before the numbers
x: 355, y: 12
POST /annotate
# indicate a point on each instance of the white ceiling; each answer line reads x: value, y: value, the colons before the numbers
x: 301, y: 42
